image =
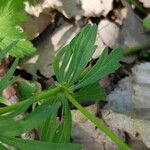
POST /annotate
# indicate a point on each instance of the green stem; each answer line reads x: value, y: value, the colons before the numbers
x: 98, y: 123
x: 38, y: 96
x: 132, y: 50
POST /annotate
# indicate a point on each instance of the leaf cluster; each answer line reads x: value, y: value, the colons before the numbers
x: 12, y: 15
x: 52, y: 117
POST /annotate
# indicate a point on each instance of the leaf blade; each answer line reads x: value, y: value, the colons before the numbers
x: 35, y: 145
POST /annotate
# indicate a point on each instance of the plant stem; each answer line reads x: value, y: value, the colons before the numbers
x: 38, y: 96
x: 132, y: 50
x: 98, y: 123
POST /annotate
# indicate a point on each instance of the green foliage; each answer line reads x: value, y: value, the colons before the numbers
x: 38, y: 145
x: 6, y: 80
x: 75, y: 80
x: 2, y: 147
x: 70, y: 62
x: 146, y: 23
x: 11, y: 16
x: 4, y: 101
x: 91, y: 92
x: 49, y: 127
x: 33, y: 2
x: 106, y: 64
x: 58, y: 133
x: 78, y: 53
x: 26, y: 88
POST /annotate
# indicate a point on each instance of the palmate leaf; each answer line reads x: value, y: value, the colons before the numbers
x: 70, y: 62
x: 11, y: 15
x: 106, y: 64
x: 38, y: 145
x: 73, y: 58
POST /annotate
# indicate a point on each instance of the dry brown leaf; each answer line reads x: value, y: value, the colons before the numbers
x: 96, y: 7
x: 146, y: 3
x: 36, y: 25
x: 107, y: 35
x: 47, y: 46
x: 136, y: 129
x: 84, y: 132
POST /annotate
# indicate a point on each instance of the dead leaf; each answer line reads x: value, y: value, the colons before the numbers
x: 132, y: 95
x: 96, y: 7
x: 34, y: 26
x: 146, y: 3
x: 73, y: 8
x: 107, y: 36
x: 84, y: 132
x: 136, y: 129
x: 48, y: 44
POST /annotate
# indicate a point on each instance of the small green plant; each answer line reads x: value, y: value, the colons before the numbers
x: 76, y: 82
x: 72, y: 73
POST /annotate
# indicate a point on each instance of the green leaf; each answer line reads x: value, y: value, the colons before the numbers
x: 64, y: 132
x: 39, y: 96
x: 12, y: 14
x: 70, y: 62
x: 81, y: 45
x: 33, y: 2
x: 146, y: 23
x: 105, y: 65
x: 4, y: 101
x: 38, y: 145
x: 14, y: 107
x: 6, y: 79
x: 57, y: 61
x: 49, y: 128
x: 54, y: 131
x: 82, y: 52
x: 91, y: 92
x: 10, y: 127
x: 2, y: 147
x: 73, y: 58
x: 20, y: 109
x: 7, y: 49
x: 26, y: 89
